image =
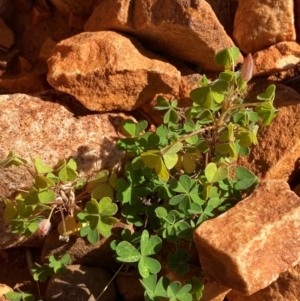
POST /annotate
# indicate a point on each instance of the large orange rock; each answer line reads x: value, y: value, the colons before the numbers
x: 259, y: 24
x: 186, y: 30
x: 110, y: 71
x: 276, y: 58
x: 278, y: 149
x: 285, y: 288
x: 53, y: 126
x: 250, y: 245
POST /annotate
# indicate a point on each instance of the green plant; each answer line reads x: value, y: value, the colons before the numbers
x: 175, y: 178
x: 55, y: 266
x: 19, y: 296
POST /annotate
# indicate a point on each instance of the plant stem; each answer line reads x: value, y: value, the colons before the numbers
x: 110, y: 281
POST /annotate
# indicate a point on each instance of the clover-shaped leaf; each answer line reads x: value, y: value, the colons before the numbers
x: 11, y: 159
x: 19, y: 296
x: 245, y: 178
x: 40, y: 168
x: 133, y: 128
x: 149, y: 246
x: 41, y: 273
x: 227, y: 57
x: 67, y: 171
x: 59, y: 265
x: 215, y: 174
x: 99, y: 216
x: 178, y: 261
x: 176, y: 292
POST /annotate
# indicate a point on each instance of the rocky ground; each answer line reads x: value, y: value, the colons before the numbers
x: 70, y: 70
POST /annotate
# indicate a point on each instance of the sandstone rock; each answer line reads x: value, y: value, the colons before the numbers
x: 130, y: 288
x: 78, y: 7
x: 247, y: 247
x: 53, y: 126
x: 39, y: 14
x: 32, y: 82
x: 278, y: 148
x: 189, y: 80
x: 109, y: 71
x: 224, y: 11
x: 279, y: 57
x: 47, y: 49
x: 4, y: 289
x: 285, y: 288
x: 25, y: 65
x: 7, y: 8
x: 6, y: 36
x: 81, y: 283
x: 83, y: 252
x: 189, y: 31
x: 259, y: 24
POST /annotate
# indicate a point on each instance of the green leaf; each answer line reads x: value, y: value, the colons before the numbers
x: 127, y: 252
x: 269, y: 95
x: 227, y: 57
x: 202, y: 96
x: 10, y: 211
x: 133, y: 128
x: 147, y: 266
x: 267, y: 112
x: 215, y: 174
x: 178, y: 261
x: 66, y: 173
x: 11, y: 159
x: 245, y: 178
x: 43, y: 182
x: 107, y: 207
x: 150, y: 245
x: 163, y: 104
x: 40, y: 168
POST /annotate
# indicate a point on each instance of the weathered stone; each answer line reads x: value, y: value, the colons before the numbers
x: 85, y: 253
x: 7, y: 8
x: 223, y: 10
x: 39, y: 14
x: 285, y: 288
x: 81, y: 283
x: 279, y: 57
x: 75, y: 21
x: 78, y: 7
x: 6, y: 36
x: 259, y: 24
x: 189, y: 31
x: 25, y: 65
x: 47, y: 49
x: 4, y: 289
x: 108, y: 71
x: 53, y: 126
x: 278, y: 148
x: 32, y: 82
x: 247, y: 247
x: 130, y: 288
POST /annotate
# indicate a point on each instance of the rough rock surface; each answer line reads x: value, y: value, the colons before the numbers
x: 189, y: 31
x: 130, y: 287
x: 261, y: 23
x: 77, y: 7
x: 83, y: 252
x: 285, y: 288
x: 278, y: 148
x: 276, y: 58
x: 53, y: 125
x: 243, y: 249
x: 4, y: 289
x: 6, y: 35
x: 110, y: 71
x: 81, y: 283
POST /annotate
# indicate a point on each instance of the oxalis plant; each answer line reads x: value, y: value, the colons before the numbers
x: 175, y: 178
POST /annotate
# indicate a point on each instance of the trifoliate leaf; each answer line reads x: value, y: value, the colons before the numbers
x: 40, y: 167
